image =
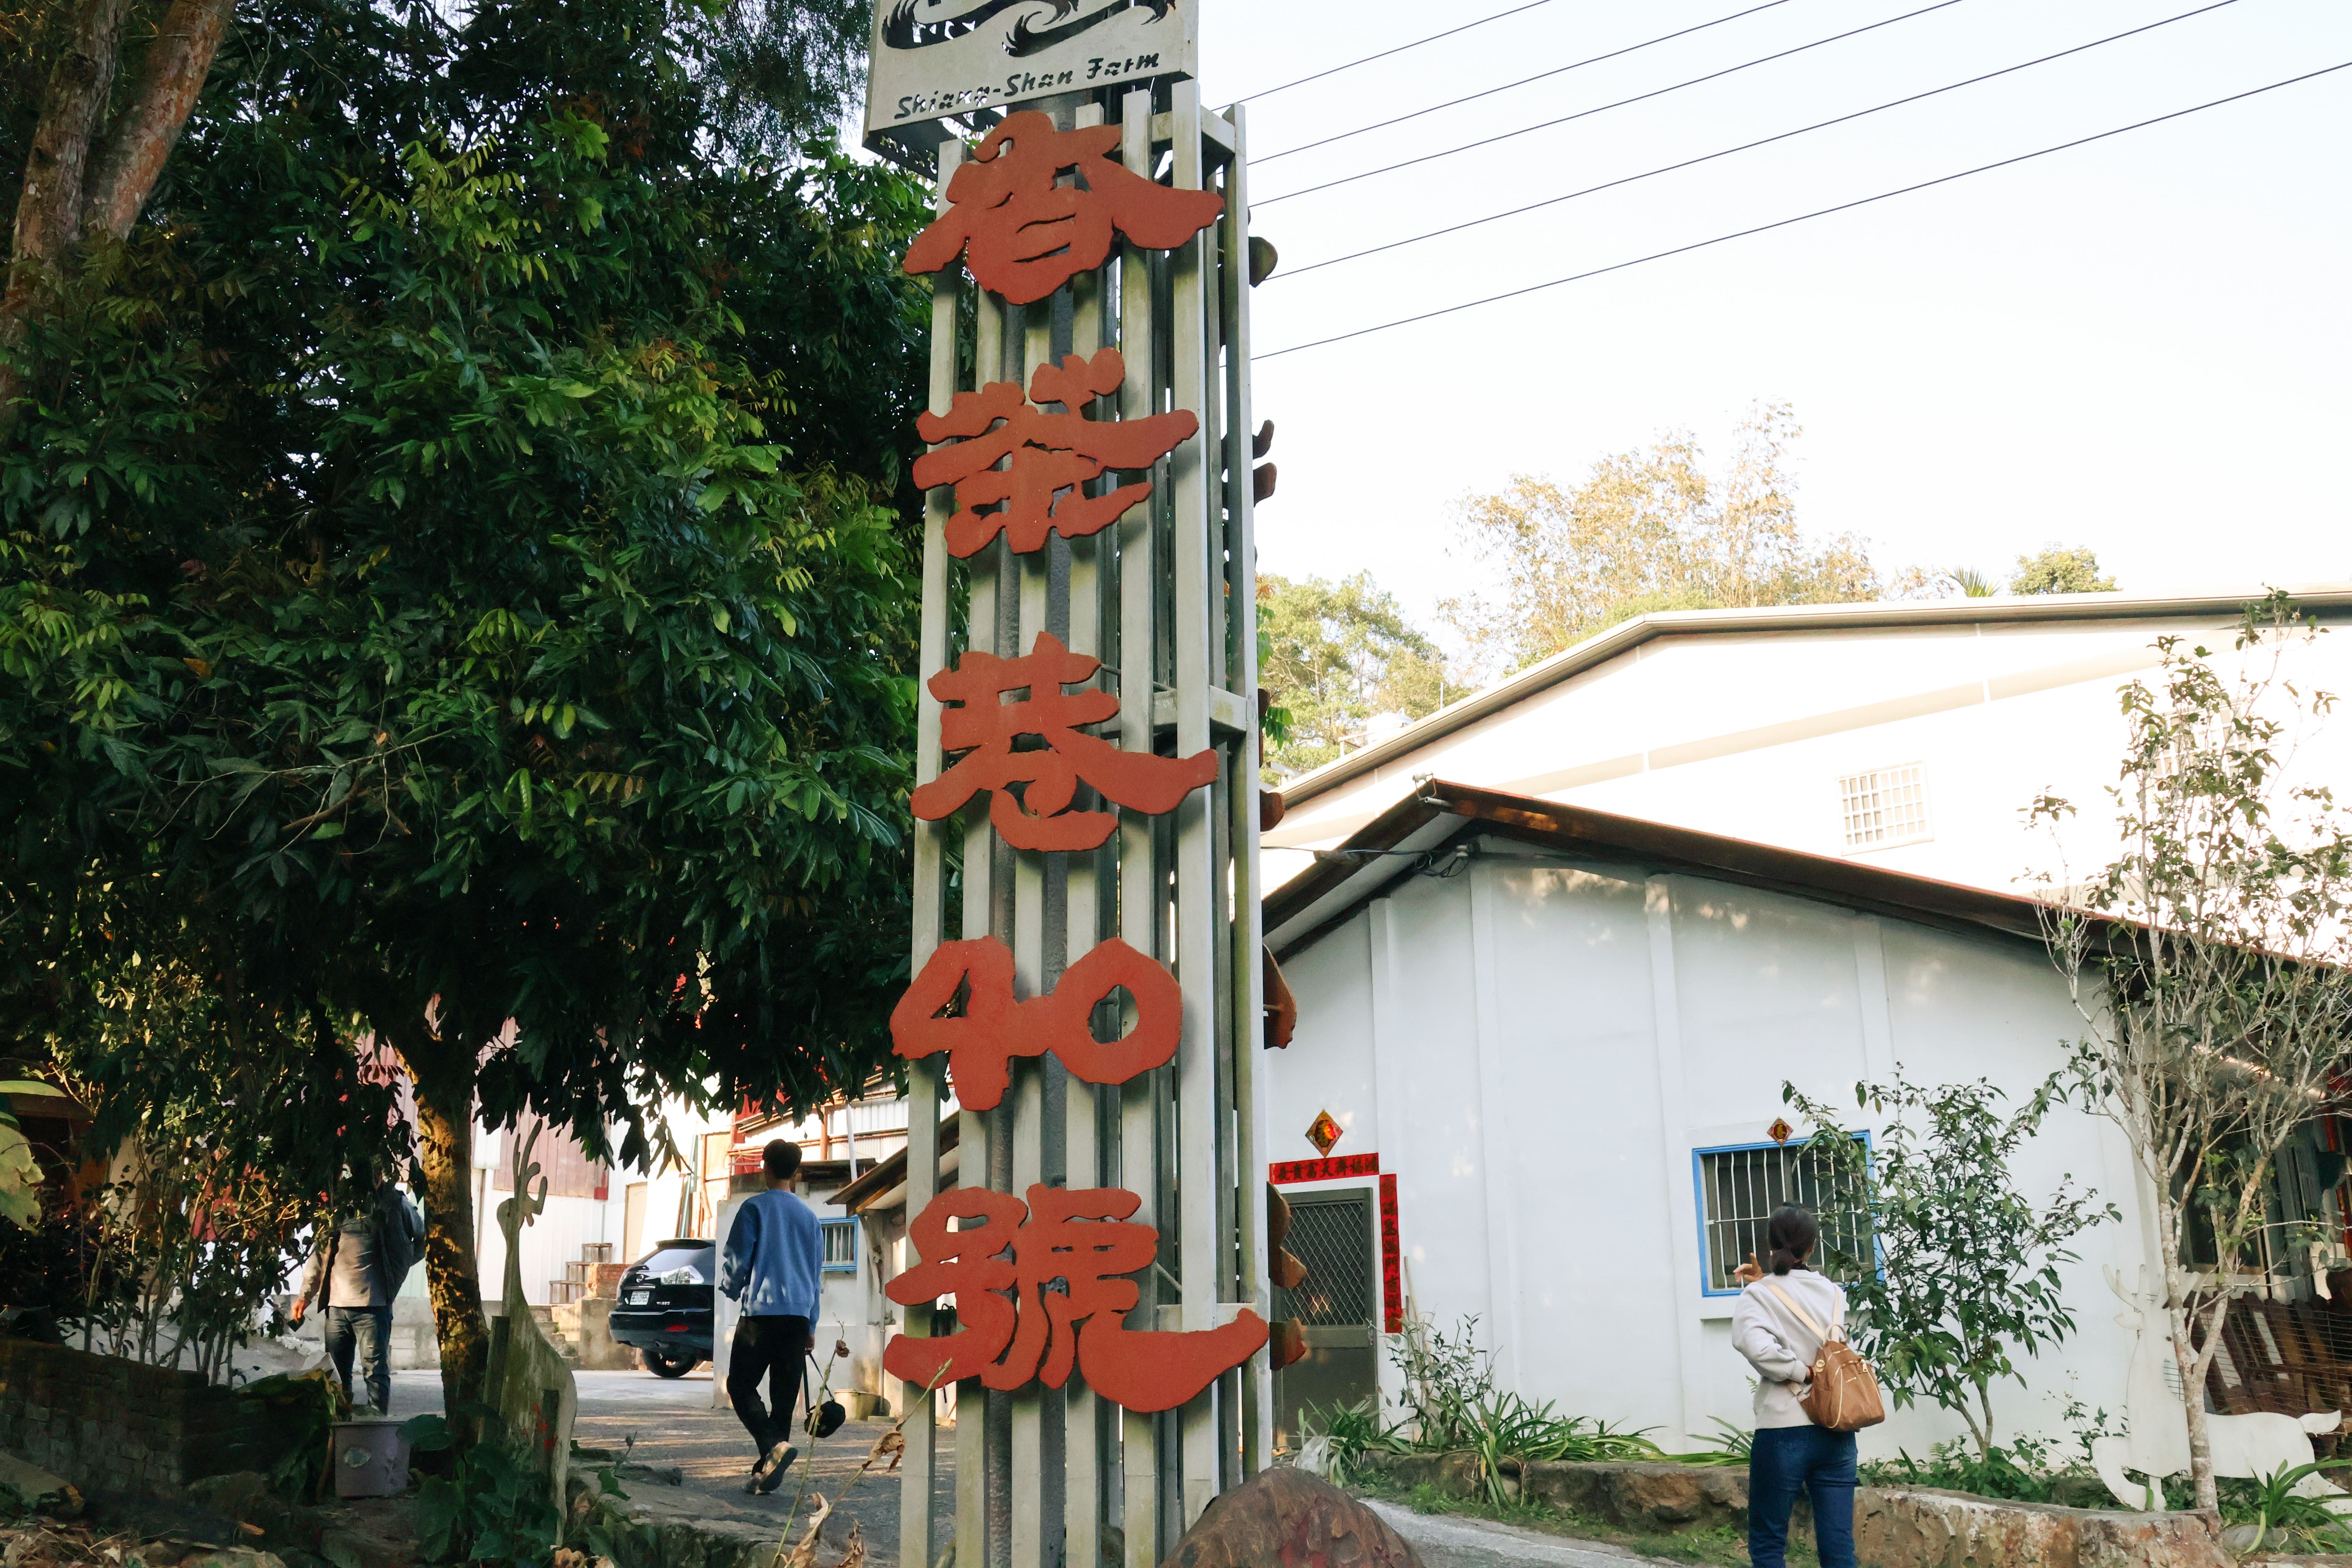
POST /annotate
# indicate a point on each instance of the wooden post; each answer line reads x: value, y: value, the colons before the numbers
x: 924, y: 1079
x: 1165, y: 597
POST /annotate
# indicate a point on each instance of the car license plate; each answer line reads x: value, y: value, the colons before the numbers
x: 639, y: 1298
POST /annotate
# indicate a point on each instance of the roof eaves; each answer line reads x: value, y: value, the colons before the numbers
x: 881, y: 1177
x: 1301, y: 910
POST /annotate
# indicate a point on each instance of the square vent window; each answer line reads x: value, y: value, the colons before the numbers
x: 1881, y: 807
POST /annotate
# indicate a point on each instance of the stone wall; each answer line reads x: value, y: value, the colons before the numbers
x: 1918, y: 1527
x: 1656, y: 1498
x: 110, y: 1424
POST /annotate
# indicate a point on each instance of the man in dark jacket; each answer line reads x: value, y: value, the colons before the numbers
x: 355, y: 1271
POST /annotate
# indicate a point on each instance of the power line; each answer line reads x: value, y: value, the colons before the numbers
x: 1745, y: 146
x: 1401, y: 48
x: 1523, y: 81
x: 1802, y: 218
x: 1583, y: 114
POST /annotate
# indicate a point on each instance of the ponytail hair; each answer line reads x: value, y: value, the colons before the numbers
x: 1791, y: 1235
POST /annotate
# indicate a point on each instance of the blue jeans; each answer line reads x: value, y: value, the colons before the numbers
x: 1790, y: 1461
x: 369, y: 1330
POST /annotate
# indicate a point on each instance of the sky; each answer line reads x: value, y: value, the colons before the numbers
x: 2140, y: 345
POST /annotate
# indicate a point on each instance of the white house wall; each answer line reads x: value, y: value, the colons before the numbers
x: 1534, y: 1053
x: 556, y: 1238
x: 1577, y: 1155
x: 1336, y: 1035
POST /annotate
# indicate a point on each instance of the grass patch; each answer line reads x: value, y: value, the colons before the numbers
x: 1719, y: 1548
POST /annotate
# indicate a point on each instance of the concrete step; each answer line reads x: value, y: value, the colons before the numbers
x: 545, y: 1318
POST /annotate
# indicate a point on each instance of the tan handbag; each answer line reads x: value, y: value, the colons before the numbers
x: 1843, y: 1396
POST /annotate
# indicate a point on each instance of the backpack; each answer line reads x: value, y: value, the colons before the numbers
x: 399, y: 1238
x: 1843, y: 1396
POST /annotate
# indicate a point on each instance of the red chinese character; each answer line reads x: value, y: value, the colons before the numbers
x: 993, y: 1028
x: 1053, y: 455
x: 1027, y: 236
x: 1083, y: 1239
x: 985, y: 727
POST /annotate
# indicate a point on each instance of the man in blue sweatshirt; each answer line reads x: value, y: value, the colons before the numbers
x: 774, y: 1258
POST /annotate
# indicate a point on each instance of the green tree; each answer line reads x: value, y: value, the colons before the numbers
x: 2211, y: 960
x: 1966, y: 1275
x: 1333, y: 655
x: 2057, y: 569
x: 1648, y: 531
x: 455, y: 583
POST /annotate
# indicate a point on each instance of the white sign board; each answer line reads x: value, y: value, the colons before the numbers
x: 937, y: 57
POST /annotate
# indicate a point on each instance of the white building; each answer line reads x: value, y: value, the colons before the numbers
x: 1554, y: 1041
x: 1565, y: 940
x: 1909, y: 735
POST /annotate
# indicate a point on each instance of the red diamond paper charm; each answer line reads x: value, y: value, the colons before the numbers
x: 1779, y: 1131
x: 1323, y: 1133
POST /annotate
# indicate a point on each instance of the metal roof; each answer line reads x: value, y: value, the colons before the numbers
x: 1626, y: 636
x: 1419, y: 832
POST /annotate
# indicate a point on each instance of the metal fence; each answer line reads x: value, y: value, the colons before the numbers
x: 1333, y: 1236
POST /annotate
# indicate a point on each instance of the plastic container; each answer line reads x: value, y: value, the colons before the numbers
x: 371, y: 1459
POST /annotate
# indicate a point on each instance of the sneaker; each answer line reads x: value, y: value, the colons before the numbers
x: 768, y: 1474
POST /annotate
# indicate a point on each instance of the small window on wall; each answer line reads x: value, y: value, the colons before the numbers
x: 840, y: 1246
x: 1739, y: 1188
x: 1881, y: 807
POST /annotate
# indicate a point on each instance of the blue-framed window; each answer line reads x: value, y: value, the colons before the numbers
x: 1739, y: 1184
x: 840, y: 1244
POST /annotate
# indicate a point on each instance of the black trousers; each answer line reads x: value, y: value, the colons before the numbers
x: 768, y: 1348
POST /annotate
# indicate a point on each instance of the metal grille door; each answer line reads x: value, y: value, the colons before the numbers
x: 1333, y: 1236
x: 1331, y: 1233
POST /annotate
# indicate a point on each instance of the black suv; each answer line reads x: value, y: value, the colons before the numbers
x: 663, y: 1310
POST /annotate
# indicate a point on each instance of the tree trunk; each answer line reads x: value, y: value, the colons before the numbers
x: 443, y: 1075
x: 73, y: 185
x: 2194, y: 1365
x: 49, y: 205
x: 170, y: 78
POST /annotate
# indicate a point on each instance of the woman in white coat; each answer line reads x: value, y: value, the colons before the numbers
x: 1778, y: 1325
